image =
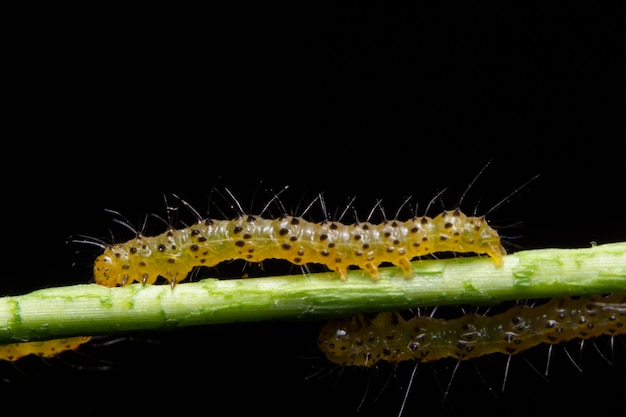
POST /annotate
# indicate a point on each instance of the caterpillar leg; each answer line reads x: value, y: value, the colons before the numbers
x: 372, y: 269
x: 496, y: 253
x: 124, y: 281
x: 342, y: 271
x: 406, y: 266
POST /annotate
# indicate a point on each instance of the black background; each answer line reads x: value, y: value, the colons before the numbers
x: 375, y: 100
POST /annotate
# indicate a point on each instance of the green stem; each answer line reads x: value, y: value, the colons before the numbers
x: 91, y: 309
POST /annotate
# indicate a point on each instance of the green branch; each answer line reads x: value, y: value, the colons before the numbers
x: 91, y: 309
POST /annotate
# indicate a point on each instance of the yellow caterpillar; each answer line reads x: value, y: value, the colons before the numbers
x: 364, y: 341
x: 175, y: 253
x: 45, y: 348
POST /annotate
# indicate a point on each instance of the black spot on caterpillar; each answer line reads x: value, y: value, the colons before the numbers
x: 176, y: 252
x: 363, y: 341
x: 45, y: 348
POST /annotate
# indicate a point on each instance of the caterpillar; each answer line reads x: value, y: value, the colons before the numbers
x: 363, y: 341
x: 46, y: 348
x: 174, y: 253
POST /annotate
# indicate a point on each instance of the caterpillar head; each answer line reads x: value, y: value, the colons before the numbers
x: 136, y: 261
x: 338, y: 342
x: 110, y: 268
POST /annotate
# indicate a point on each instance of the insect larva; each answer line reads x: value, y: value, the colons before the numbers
x: 45, y: 348
x: 175, y: 253
x: 361, y: 341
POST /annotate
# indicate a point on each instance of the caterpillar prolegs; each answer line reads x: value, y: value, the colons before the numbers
x: 364, y: 341
x: 175, y: 253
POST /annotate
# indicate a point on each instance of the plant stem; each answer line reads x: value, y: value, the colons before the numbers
x: 92, y: 309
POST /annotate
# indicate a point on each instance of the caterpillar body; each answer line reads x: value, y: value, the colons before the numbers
x: 175, y: 253
x: 361, y: 341
x: 46, y: 348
